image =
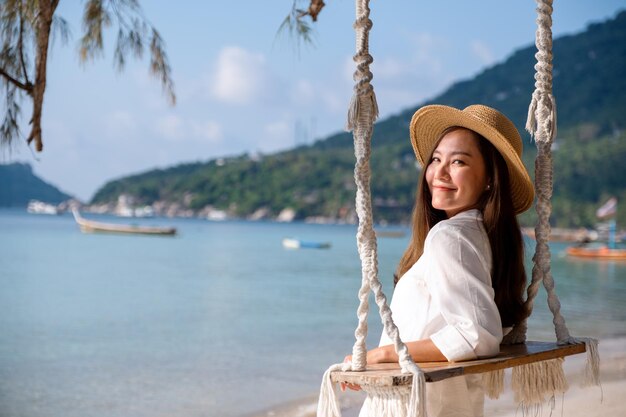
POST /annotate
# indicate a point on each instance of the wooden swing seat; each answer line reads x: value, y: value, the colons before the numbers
x: 389, y: 374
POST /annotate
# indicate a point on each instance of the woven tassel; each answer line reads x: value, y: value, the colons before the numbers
x: 386, y: 402
x: 328, y: 405
x: 417, y: 400
x: 356, y: 107
x: 533, y: 381
x: 592, y: 365
x: 531, y: 122
x: 374, y: 106
x: 353, y: 113
x: 398, y: 401
x: 493, y: 383
x: 553, y: 118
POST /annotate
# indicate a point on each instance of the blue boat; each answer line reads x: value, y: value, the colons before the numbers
x: 291, y: 243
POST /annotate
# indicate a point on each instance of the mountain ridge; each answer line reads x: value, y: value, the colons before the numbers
x: 316, y: 180
x: 20, y: 185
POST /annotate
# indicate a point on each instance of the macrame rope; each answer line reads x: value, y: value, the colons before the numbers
x: 361, y: 116
x: 541, y: 124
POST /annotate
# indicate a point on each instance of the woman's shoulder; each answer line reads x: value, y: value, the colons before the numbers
x: 470, y: 220
x: 465, y: 226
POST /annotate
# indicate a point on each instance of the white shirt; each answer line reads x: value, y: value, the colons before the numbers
x: 447, y: 296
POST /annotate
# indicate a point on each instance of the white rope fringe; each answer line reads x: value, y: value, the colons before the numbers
x: 398, y: 401
x: 493, y: 383
x: 386, y: 402
x: 328, y: 404
x: 532, y: 382
x: 592, y: 363
x: 417, y: 400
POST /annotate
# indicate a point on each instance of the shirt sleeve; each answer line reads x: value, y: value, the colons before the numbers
x: 459, y: 280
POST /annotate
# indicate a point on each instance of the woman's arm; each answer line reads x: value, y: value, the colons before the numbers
x: 420, y: 350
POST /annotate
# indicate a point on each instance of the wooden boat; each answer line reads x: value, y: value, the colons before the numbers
x: 89, y: 226
x: 600, y: 252
x: 610, y: 251
x: 291, y: 243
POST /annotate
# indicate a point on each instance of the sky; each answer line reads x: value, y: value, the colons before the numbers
x: 243, y: 88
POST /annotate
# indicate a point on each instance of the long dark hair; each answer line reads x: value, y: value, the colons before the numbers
x: 508, y: 276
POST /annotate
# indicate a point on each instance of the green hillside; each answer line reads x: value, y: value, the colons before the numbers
x: 20, y: 185
x: 316, y: 180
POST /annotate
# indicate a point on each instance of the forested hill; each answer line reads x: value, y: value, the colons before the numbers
x: 19, y: 185
x: 316, y: 180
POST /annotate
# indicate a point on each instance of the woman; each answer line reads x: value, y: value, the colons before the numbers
x: 462, y: 278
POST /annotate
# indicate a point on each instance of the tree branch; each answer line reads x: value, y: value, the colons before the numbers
x: 20, y: 45
x: 28, y: 87
x: 44, y: 24
x: 315, y: 7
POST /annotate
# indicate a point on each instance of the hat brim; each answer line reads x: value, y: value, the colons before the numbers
x: 429, y: 122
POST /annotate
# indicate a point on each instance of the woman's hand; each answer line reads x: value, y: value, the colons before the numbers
x: 344, y: 385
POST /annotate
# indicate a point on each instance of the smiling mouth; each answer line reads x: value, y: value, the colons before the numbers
x: 441, y: 188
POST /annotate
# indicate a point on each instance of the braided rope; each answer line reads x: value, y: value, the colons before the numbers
x: 361, y: 116
x: 542, y: 126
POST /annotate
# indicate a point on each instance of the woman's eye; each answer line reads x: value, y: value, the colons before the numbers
x: 434, y: 159
x: 458, y: 162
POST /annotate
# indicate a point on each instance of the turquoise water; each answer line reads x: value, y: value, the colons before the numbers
x: 217, y: 321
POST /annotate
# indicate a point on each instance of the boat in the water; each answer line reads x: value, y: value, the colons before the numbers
x: 90, y: 226
x: 601, y: 251
x: 291, y: 243
x: 596, y: 252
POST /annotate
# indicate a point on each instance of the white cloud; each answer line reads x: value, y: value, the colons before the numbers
x: 482, y: 51
x: 240, y: 75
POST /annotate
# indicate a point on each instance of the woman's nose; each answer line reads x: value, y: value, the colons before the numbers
x: 441, y: 171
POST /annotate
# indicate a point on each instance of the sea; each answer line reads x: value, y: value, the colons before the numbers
x: 219, y: 320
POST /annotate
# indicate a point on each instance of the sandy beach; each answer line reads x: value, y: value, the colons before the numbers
x: 576, y: 402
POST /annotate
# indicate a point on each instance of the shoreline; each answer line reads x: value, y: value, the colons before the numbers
x: 577, y: 401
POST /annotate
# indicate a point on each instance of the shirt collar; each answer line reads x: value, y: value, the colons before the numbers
x: 469, y: 214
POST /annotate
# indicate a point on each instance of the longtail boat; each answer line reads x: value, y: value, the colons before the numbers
x: 89, y: 226
x: 601, y: 252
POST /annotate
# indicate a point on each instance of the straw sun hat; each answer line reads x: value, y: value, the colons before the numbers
x: 429, y: 122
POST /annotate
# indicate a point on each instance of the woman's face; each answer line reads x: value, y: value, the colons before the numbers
x: 456, y: 175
